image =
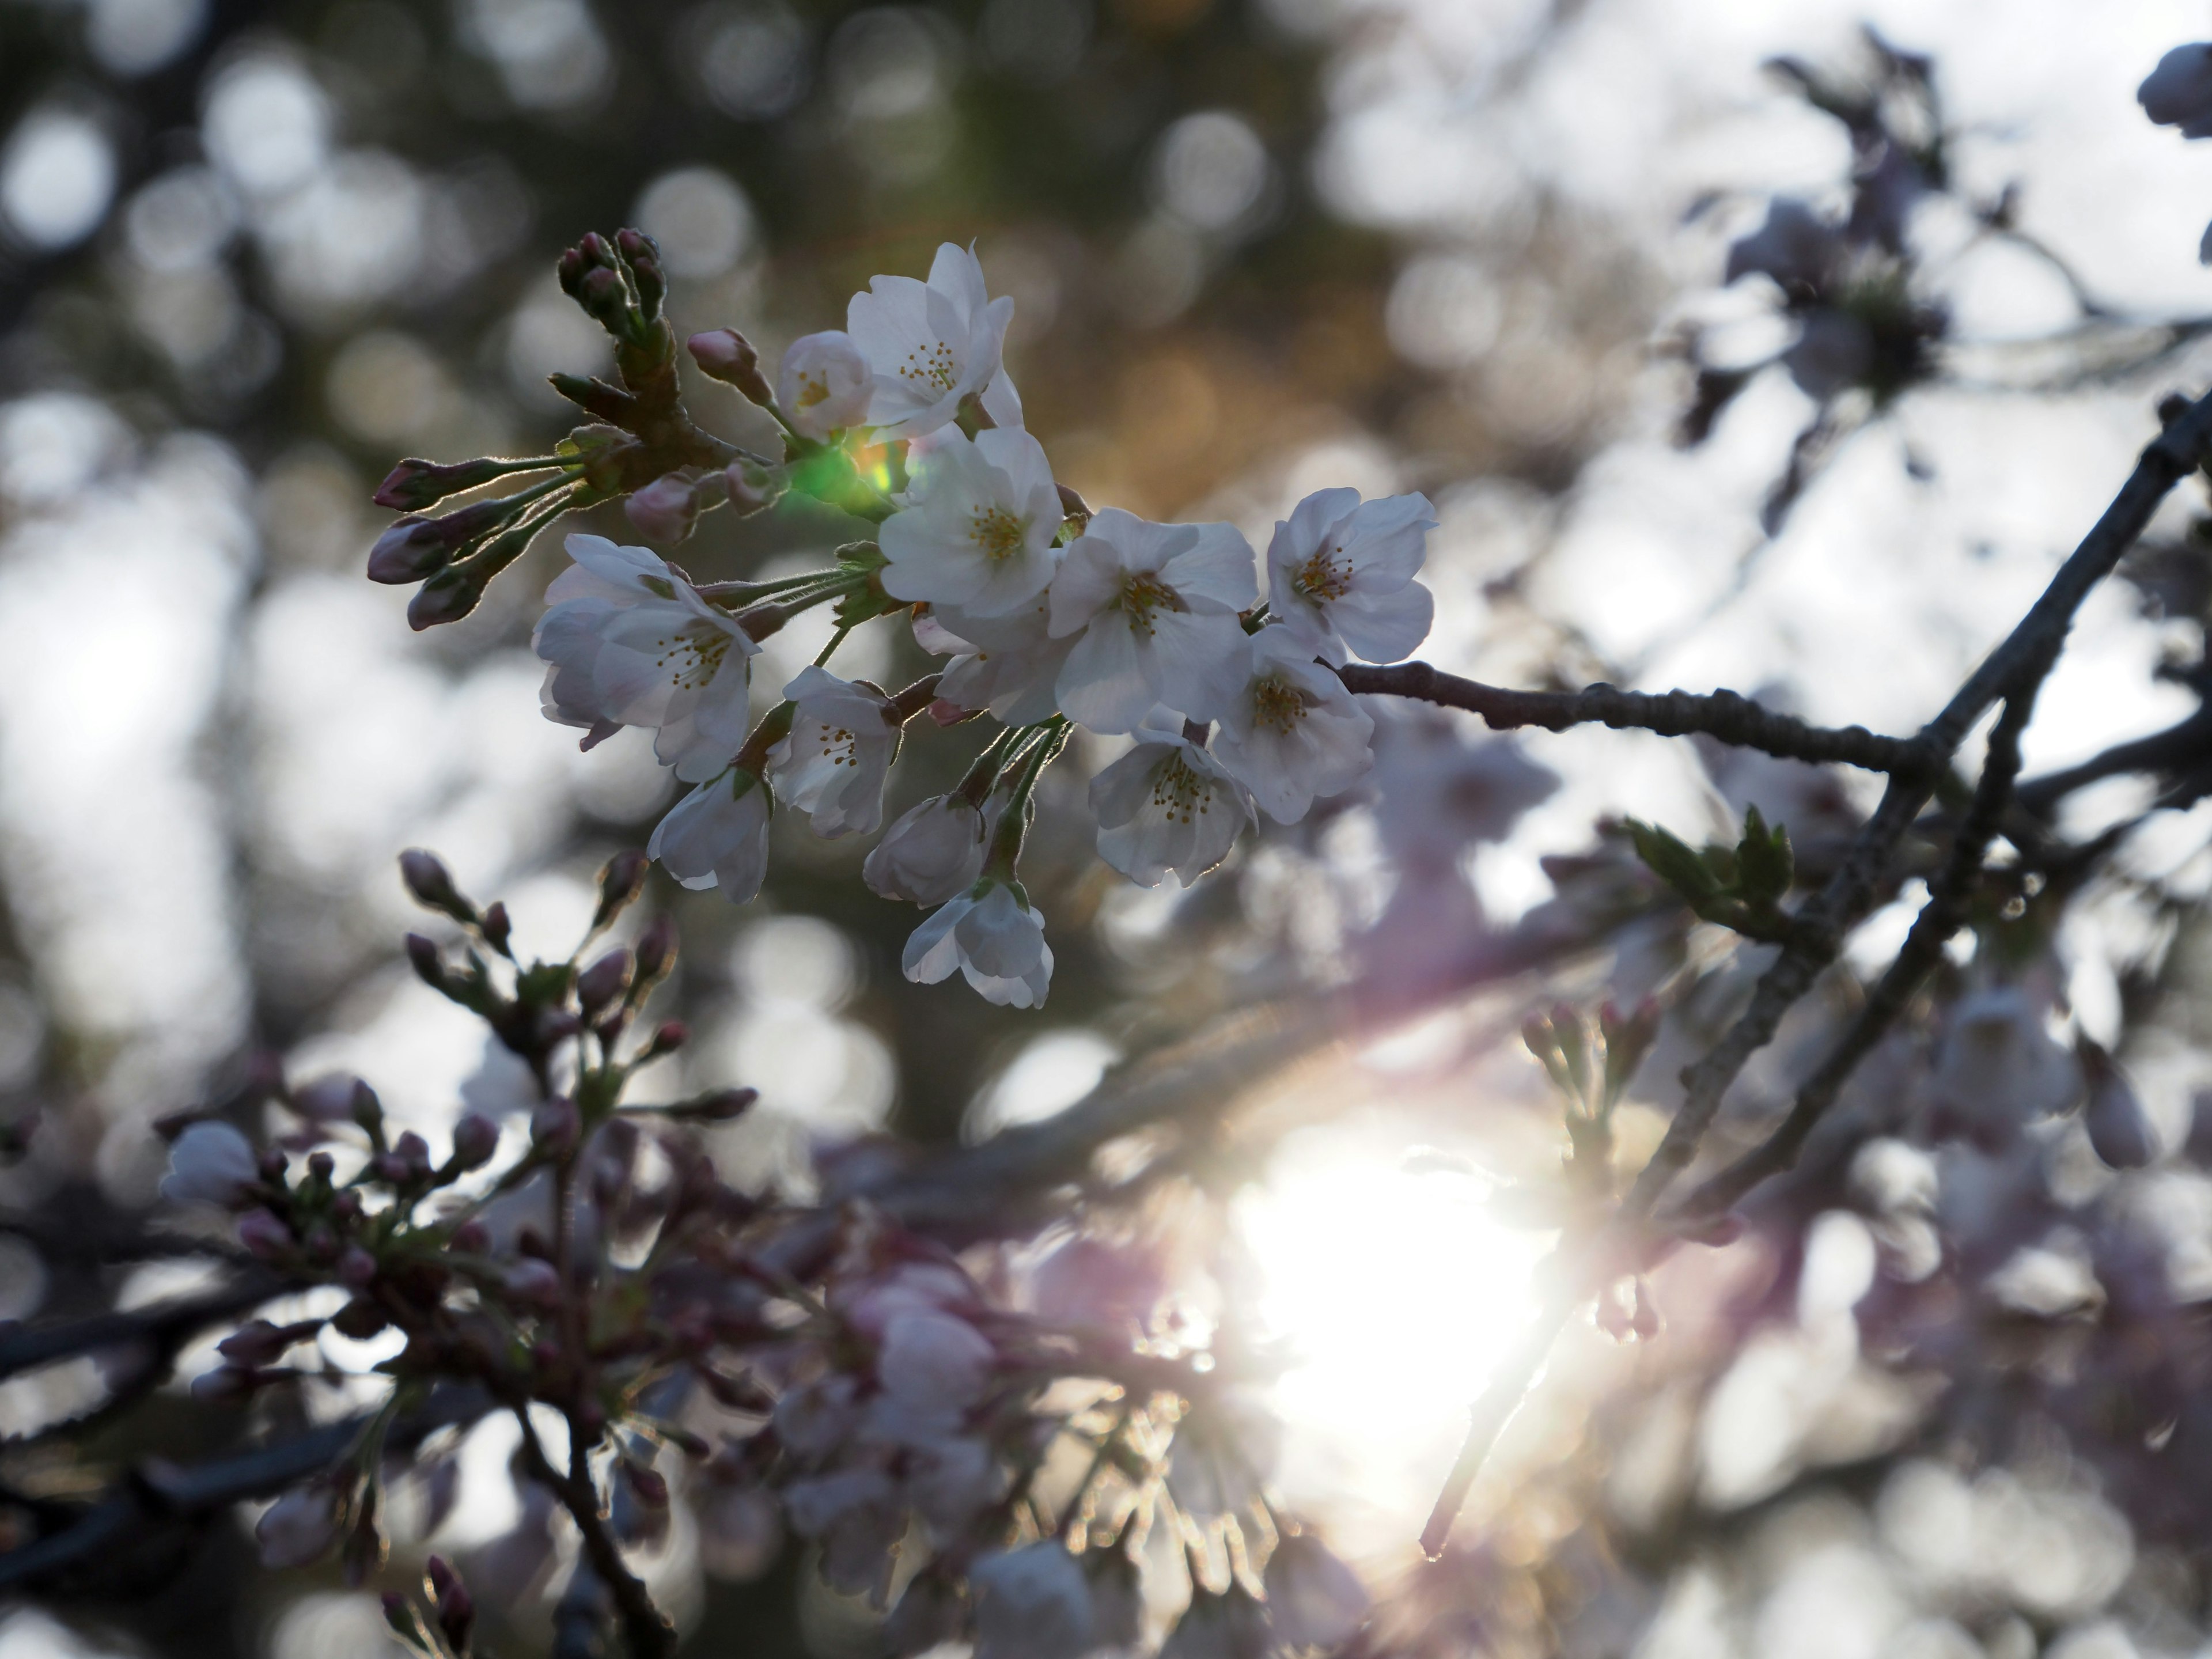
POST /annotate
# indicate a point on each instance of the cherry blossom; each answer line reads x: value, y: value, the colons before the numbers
x: 717, y: 836
x: 298, y: 1529
x: 1155, y: 605
x: 931, y: 345
x: 995, y: 937
x: 1341, y: 575
x: 630, y: 642
x: 1032, y: 1603
x: 824, y: 384
x: 666, y: 509
x: 978, y: 525
x: 1168, y: 804
x: 832, y: 763
x: 211, y: 1162
x: 1290, y: 731
x: 1010, y: 665
x: 933, y: 852
x: 1313, y: 1599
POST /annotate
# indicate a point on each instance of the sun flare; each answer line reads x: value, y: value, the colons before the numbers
x: 1396, y: 1294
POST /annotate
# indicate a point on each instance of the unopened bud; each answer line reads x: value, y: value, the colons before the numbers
x: 472, y: 1239
x: 321, y: 1166
x: 413, y: 1153
x: 650, y: 1485
x: 400, y: 1617
x: 497, y: 926
x: 556, y: 1125
x: 606, y: 296
x: 432, y: 885
x: 656, y: 950
x: 535, y: 1283
x: 719, y: 1107
x: 475, y: 1138
x: 569, y: 270
x: 327, y: 1099
x: 602, y: 981
x: 726, y: 356
x: 666, y: 509
x: 408, y: 551
x: 608, y: 403
x: 620, y: 880
x: 414, y: 484
x: 754, y: 487
x: 263, y: 1235
x: 445, y: 598
x: 667, y: 1039
x: 367, y: 1110
x: 423, y: 955
x: 226, y: 1385
x: 357, y: 1268
x: 255, y: 1343
x: 273, y: 1164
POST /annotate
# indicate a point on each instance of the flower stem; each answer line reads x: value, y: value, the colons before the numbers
x: 1013, y: 823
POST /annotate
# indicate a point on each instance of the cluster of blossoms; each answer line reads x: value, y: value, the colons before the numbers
x: 783, y: 1367
x: 1052, y: 617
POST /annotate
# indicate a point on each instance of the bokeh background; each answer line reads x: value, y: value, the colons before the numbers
x: 250, y: 253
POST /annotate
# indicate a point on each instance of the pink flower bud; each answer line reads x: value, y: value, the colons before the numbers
x: 356, y: 1267
x: 604, y: 981
x: 556, y: 1125
x: 726, y: 356
x: 407, y: 551
x: 535, y: 1283
x: 472, y: 1239
x: 475, y: 1138
x: 263, y: 1235
x: 753, y: 488
x: 666, y: 509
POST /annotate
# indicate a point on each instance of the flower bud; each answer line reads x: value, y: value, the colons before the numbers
x: 367, y: 1110
x: 226, y: 1385
x: 326, y: 1099
x: 432, y: 885
x: 408, y: 551
x: 445, y: 598
x: 656, y: 949
x: 414, y: 484
x: 321, y: 1166
x: 424, y: 955
x: 475, y: 1138
x: 719, y: 1107
x: 621, y: 878
x: 400, y: 1617
x: 667, y: 1039
x: 535, y: 1283
x: 753, y: 488
x: 496, y: 925
x: 556, y: 1125
x: 357, y: 1268
x: 472, y: 1237
x: 414, y: 1155
x: 273, y: 1164
x: 300, y: 1528
x: 726, y: 356
x: 263, y: 1235
x: 255, y: 1343
x: 2119, y: 1131
x: 650, y: 1485
x: 602, y: 981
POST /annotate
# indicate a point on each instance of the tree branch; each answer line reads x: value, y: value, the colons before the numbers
x: 1731, y: 718
x: 648, y: 1632
x: 158, y: 1497
x: 2012, y: 671
x: 167, y: 1326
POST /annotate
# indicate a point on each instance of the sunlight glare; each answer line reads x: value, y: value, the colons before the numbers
x: 1395, y: 1294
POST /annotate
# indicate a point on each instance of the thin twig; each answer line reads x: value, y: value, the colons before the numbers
x: 1727, y: 715
x: 646, y: 1629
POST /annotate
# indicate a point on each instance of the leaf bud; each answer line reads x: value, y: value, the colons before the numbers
x: 726, y: 356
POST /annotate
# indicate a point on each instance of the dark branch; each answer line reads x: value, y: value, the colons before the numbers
x: 649, y: 1635
x: 167, y: 1326
x: 161, y: 1497
x: 1726, y: 715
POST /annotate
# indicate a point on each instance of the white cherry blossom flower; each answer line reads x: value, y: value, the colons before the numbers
x: 1314, y: 1601
x: 824, y: 384
x: 932, y: 854
x: 1032, y: 1603
x: 929, y: 346
x: 210, y: 1164
x: 935, y: 1364
x: 1290, y: 731
x: 630, y: 642
x: 1011, y: 664
x: 977, y: 527
x: 1156, y: 607
x: 1167, y: 805
x: 832, y: 763
x: 995, y: 937
x: 1341, y: 575
x: 717, y: 836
